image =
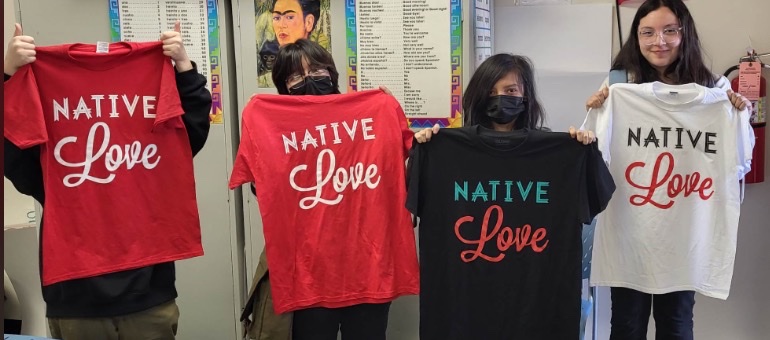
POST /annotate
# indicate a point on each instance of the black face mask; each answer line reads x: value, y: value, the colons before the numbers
x: 316, y: 86
x: 505, y: 109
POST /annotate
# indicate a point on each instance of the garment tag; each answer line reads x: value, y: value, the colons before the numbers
x: 749, y: 76
x: 502, y: 141
x: 102, y: 47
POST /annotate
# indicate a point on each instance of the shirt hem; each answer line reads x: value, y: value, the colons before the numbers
x: 648, y: 290
x: 346, y: 301
x: 121, y: 267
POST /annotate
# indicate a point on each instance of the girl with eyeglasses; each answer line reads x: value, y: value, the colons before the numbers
x: 663, y: 46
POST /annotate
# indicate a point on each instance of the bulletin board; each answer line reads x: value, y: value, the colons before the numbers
x: 414, y: 48
x: 482, y: 31
x: 141, y: 20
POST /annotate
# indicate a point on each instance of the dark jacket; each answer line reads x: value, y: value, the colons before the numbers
x: 127, y: 291
x: 258, y: 317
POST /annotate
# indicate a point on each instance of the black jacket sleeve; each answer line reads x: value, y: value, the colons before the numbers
x: 196, y: 102
x: 23, y: 169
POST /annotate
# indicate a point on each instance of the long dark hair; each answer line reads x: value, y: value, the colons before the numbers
x: 687, y: 68
x: 484, y: 79
x: 289, y: 61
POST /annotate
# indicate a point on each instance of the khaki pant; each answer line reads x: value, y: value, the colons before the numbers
x: 157, y: 323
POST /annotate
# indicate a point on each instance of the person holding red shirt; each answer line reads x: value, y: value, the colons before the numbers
x: 130, y: 304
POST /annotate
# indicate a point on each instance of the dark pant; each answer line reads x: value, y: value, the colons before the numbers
x: 359, y: 322
x: 631, y: 313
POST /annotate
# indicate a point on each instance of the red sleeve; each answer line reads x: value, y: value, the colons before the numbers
x: 169, y: 105
x: 242, y: 169
x: 23, y: 116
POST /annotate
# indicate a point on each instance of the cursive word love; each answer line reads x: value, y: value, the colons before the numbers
x: 341, y: 178
x: 521, y: 238
x: 676, y: 184
x: 114, y: 156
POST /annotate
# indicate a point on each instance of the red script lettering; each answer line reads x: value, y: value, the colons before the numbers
x: 506, y: 237
x: 676, y: 183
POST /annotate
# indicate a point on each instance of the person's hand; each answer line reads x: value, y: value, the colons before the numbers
x: 173, y: 47
x: 584, y: 136
x: 21, y: 51
x: 424, y: 135
x: 385, y: 89
x: 597, y: 99
x: 739, y: 101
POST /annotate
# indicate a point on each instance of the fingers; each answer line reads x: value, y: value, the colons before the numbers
x: 423, y: 135
x: 178, y: 27
x: 17, y: 31
x: 747, y: 104
x: 591, y: 138
x: 739, y: 101
x: 583, y: 136
x: 169, y: 35
x: 436, y: 128
x: 386, y: 90
x: 597, y: 99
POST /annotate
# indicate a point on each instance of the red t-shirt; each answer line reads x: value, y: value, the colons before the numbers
x: 330, y: 179
x: 117, y: 163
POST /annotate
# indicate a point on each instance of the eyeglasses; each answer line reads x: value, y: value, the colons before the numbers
x: 296, y: 80
x: 669, y: 35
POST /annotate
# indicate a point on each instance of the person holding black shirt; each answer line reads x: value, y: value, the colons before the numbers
x: 501, y: 203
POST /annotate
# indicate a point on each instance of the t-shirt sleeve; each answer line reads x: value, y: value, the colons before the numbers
x: 600, y: 122
x: 605, y: 83
x: 23, y: 116
x: 242, y: 169
x: 597, y: 185
x: 169, y: 106
x: 746, y: 141
x: 723, y: 83
x: 413, y: 180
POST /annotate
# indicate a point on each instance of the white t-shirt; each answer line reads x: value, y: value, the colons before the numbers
x: 677, y: 153
x: 722, y: 83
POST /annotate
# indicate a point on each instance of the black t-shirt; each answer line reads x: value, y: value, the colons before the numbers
x: 500, y: 231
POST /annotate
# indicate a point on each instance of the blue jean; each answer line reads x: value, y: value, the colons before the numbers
x: 673, y: 313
